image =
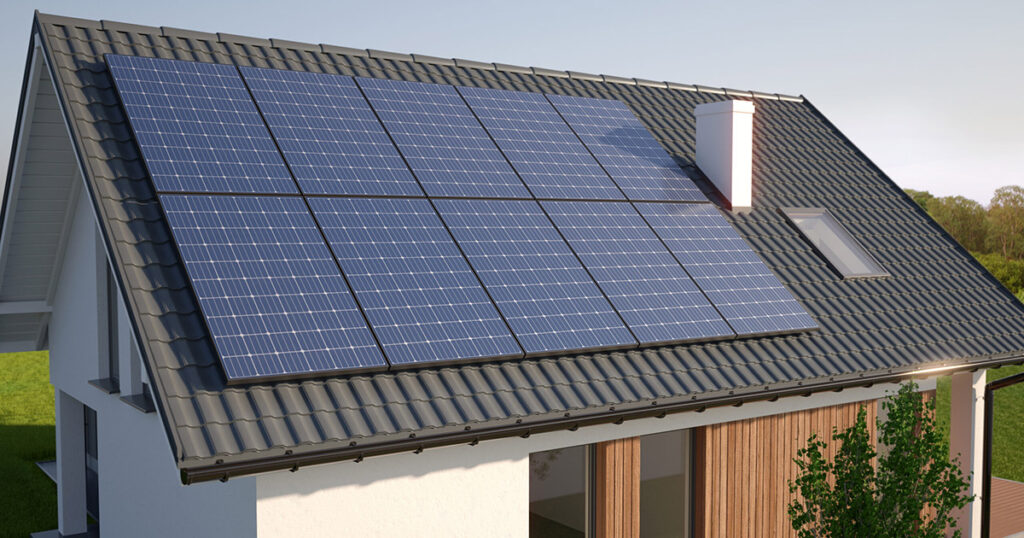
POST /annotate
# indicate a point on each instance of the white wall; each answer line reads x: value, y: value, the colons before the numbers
x: 139, y: 487
x: 463, y: 490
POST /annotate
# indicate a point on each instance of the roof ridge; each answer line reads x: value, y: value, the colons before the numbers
x: 221, y: 37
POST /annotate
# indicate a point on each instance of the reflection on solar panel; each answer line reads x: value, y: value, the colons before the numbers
x: 197, y: 127
x: 648, y: 287
x: 541, y: 147
x: 549, y: 300
x: 626, y: 149
x: 272, y: 295
x: 328, y: 134
x: 738, y: 283
x: 444, y: 144
x: 422, y: 300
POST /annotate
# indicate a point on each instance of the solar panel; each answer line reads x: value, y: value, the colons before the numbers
x: 648, y: 287
x: 419, y: 294
x: 271, y: 293
x: 444, y: 144
x: 626, y: 149
x: 739, y: 284
x: 197, y: 127
x: 549, y: 157
x: 549, y: 300
x: 328, y: 134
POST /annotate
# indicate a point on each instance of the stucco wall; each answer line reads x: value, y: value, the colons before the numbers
x: 140, y: 493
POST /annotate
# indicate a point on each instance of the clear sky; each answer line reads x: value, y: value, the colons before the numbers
x: 926, y: 89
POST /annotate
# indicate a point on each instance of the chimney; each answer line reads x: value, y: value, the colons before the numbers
x: 725, y: 146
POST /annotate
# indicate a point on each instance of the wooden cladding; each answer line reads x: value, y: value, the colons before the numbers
x: 742, y: 469
x: 617, y: 490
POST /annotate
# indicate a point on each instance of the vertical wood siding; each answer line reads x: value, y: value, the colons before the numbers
x: 618, y: 488
x: 743, y: 468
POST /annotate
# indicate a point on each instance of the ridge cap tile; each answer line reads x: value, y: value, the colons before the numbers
x: 345, y: 51
x: 242, y: 40
x: 170, y: 31
x: 549, y: 72
x: 585, y: 76
x: 709, y: 89
x: 387, y: 55
x: 680, y: 86
x: 298, y: 45
x: 619, y: 80
x: 473, y: 64
x: 423, y: 58
x: 62, y: 20
x: 117, y: 26
x: 512, y: 68
x: 650, y: 83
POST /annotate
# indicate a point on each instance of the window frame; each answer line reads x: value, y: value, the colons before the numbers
x: 842, y: 234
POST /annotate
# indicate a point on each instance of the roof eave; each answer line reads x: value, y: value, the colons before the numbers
x: 290, y: 460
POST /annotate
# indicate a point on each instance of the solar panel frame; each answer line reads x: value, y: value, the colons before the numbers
x: 443, y: 143
x: 195, y: 121
x: 645, y: 283
x: 750, y: 297
x: 546, y: 153
x: 627, y: 151
x: 534, y: 278
x: 263, y: 276
x: 328, y: 133
x: 418, y: 292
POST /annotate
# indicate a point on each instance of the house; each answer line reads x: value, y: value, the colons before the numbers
x: 159, y: 435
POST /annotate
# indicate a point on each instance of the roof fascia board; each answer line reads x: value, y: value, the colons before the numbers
x: 292, y: 461
x: 39, y: 35
x: 26, y: 106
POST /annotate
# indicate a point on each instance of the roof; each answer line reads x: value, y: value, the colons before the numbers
x: 939, y: 308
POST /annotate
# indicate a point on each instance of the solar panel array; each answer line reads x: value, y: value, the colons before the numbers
x: 739, y: 284
x: 626, y: 149
x: 328, y: 134
x: 331, y: 223
x: 541, y: 147
x: 198, y: 128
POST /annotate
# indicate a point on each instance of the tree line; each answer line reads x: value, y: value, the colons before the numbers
x: 994, y: 234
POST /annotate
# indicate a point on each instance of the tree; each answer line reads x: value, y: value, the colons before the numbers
x: 964, y: 219
x: 1006, y: 211
x: 910, y: 491
x: 921, y: 197
x: 1009, y: 272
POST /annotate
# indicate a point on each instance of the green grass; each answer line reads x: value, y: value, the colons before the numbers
x: 28, y: 499
x: 1007, y: 425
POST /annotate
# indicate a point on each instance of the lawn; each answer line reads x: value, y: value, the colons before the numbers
x: 28, y: 498
x: 1007, y: 428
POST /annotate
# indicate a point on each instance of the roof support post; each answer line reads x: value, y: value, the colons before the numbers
x: 966, y: 441
x: 71, y: 488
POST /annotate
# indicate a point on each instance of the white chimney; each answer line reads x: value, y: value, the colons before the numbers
x: 725, y: 133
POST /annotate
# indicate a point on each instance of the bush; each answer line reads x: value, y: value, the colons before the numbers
x: 911, y: 492
x: 1009, y: 272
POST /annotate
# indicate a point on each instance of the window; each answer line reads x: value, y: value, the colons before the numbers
x: 559, y: 485
x: 834, y: 243
x: 568, y: 489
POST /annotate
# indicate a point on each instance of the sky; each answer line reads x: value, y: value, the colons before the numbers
x: 925, y: 89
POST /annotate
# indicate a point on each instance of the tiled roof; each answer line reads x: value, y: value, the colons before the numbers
x: 938, y: 308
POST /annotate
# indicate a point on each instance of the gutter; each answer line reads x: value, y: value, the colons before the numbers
x: 292, y: 462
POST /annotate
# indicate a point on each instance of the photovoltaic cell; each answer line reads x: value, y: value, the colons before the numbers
x: 328, y: 134
x: 419, y: 294
x: 645, y: 283
x: 549, y: 300
x: 271, y: 293
x: 541, y: 147
x: 444, y: 144
x: 739, y: 284
x: 197, y: 127
x: 626, y: 149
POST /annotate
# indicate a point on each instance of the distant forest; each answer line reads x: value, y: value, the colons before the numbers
x: 994, y: 234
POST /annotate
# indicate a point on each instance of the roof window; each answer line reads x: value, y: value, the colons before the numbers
x: 834, y: 243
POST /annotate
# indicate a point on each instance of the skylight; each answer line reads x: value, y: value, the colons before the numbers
x: 835, y: 243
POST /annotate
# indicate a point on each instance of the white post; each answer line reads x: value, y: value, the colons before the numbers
x: 71, y: 490
x: 725, y: 135
x: 966, y: 441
